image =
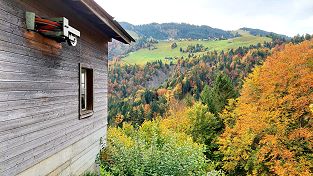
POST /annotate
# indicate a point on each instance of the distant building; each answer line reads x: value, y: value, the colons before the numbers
x: 53, y: 97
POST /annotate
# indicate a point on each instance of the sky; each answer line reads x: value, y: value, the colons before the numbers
x: 289, y: 17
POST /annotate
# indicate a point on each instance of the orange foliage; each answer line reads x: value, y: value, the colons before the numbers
x: 273, y: 119
x: 161, y: 91
x: 147, y: 108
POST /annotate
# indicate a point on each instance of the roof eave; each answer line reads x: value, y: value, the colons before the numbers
x: 98, y: 11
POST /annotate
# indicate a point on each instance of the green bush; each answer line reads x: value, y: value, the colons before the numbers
x: 90, y: 174
x: 151, y: 150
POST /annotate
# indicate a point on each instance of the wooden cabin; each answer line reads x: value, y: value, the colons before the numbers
x: 53, y: 97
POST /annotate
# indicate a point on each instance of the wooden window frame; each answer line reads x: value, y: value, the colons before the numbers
x: 89, y: 92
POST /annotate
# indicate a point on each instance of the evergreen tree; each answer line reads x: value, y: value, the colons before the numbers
x: 216, y: 97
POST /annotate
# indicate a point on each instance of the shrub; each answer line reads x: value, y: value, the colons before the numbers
x: 151, y: 150
x: 90, y: 174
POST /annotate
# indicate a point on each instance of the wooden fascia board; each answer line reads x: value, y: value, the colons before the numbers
x: 103, y: 17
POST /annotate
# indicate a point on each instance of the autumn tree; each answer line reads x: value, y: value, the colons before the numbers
x: 270, y: 129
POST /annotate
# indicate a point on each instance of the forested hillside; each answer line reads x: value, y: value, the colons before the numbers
x: 260, y: 32
x: 167, y: 31
x: 154, y: 41
x: 243, y: 111
x: 170, y: 51
x: 149, y: 34
x: 131, y: 100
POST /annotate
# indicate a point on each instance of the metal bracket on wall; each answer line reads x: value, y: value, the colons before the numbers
x: 55, y: 28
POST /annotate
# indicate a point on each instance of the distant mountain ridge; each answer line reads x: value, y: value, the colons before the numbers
x: 259, y: 32
x: 165, y: 31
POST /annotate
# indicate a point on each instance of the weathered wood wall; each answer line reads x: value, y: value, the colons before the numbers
x: 39, y: 86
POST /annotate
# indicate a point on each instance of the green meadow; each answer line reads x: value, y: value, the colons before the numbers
x: 163, y: 48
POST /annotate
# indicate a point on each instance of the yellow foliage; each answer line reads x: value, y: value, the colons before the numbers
x: 273, y: 119
x: 178, y: 88
x: 117, y: 133
x: 133, y: 151
x: 177, y: 121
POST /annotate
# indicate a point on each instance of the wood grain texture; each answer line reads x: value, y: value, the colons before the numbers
x: 82, y: 157
x: 39, y: 113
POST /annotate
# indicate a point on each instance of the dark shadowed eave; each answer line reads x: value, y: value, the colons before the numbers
x: 93, y: 10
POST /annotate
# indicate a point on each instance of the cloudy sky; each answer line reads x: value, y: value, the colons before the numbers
x: 288, y: 17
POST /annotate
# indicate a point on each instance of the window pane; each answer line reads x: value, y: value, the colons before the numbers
x: 83, y: 101
x: 83, y: 75
x: 86, y: 92
x: 83, y: 89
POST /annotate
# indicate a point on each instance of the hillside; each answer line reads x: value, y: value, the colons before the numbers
x: 130, y: 84
x: 167, y: 31
x: 164, y: 50
x: 143, y: 34
x: 259, y: 32
x: 154, y: 40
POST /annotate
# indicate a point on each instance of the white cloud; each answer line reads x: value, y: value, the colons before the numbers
x: 288, y: 17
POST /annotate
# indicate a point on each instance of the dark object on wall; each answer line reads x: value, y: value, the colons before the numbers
x: 56, y: 28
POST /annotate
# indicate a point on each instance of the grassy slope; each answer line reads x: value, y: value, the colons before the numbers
x: 164, y: 48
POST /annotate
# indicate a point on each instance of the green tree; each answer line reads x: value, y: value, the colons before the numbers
x: 216, y: 97
x: 205, y: 128
x: 148, y: 96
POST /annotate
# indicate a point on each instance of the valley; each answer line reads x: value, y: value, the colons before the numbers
x: 200, y: 104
